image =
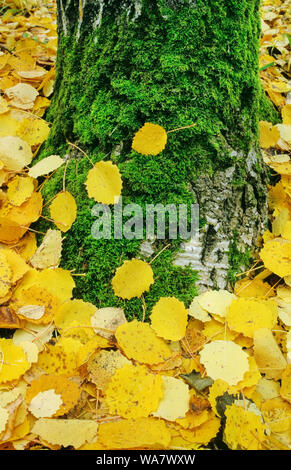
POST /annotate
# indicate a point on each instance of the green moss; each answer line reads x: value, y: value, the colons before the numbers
x: 267, y: 111
x: 171, y: 66
x: 238, y: 260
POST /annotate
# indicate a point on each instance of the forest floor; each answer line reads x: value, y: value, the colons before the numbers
x: 214, y: 375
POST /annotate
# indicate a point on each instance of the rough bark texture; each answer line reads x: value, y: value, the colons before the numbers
x: 170, y: 62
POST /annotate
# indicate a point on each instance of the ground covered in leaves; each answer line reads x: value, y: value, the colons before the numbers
x: 214, y: 375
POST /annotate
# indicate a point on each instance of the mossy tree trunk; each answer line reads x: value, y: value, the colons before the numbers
x: 122, y: 63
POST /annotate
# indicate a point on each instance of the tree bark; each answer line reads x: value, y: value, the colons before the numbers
x: 122, y: 63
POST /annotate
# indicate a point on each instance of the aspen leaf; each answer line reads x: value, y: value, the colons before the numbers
x: 244, y: 429
x: 17, y: 264
x: 3, y: 105
x: 8, y: 319
x: 151, y: 139
x: 27, y: 246
x: 45, y: 404
x: 285, y: 132
x: 29, y: 304
x: 202, y: 434
x: 33, y: 312
x: 31, y: 351
x: 133, y: 392
x: 134, y: 433
x: 103, y: 364
x: 27, y: 74
x: 267, y: 354
x: 60, y: 358
x: 75, y: 313
x: 66, y: 432
x: 40, y: 334
x: 268, y: 388
x: 22, y: 95
x: 286, y: 114
x: 216, y: 302
x: 19, y: 190
x: 277, y: 415
x: 5, y: 275
x: 63, y: 211
x: 169, y: 318
x: 4, y: 416
x: 285, y: 390
x: 248, y: 315
x: 104, y: 183
x: 13, y: 360
x: 196, y: 311
x: 68, y: 391
x: 33, y: 130
x: 15, y: 153
x: 139, y: 342
x: 46, y: 166
x: 48, y: 254
x: 107, y: 318
x: 276, y: 256
x: 269, y: 135
x: 174, y: 391
x: 58, y: 282
x: 279, y: 222
x: 224, y: 360
x: 132, y: 279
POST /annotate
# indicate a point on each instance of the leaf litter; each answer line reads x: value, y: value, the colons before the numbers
x: 74, y: 375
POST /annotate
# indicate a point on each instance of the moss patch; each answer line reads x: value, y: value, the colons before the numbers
x: 171, y: 66
x: 238, y: 260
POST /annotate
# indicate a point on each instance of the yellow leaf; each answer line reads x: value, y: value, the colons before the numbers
x: 34, y: 131
x: 58, y: 282
x: 74, y: 314
x: 276, y: 256
x: 267, y: 354
x: 133, y: 392
x: 269, y: 135
x: 151, y: 139
x: 224, y: 360
x: 17, y: 264
x: 45, y: 404
x: 19, y: 190
x: 48, y: 254
x: 216, y: 302
x: 45, y: 166
x: 63, y: 211
x: 15, y: 153
x: 103, y: 364
x: 248, y: 315
x: 197, y: 312
x: 134, y: 433
x: 68, y: 391
x: 132, y: 279
x: 169, y: 318
x: 66, y: 432
x: 286, y: 114
x: 106, y: 320
x: 22, y: 95
x: 175, y: 391
x: 285, y: 390
x: 244, y: 429
x: 4, y: 416
x: 104, y: 183
x: 5, y: 275
x: 139, y: 342
x: 13, y: 361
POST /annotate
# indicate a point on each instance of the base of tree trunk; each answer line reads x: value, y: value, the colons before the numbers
x: 173, y: 63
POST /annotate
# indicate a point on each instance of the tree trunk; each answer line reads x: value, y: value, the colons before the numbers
x: 122, y: 63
